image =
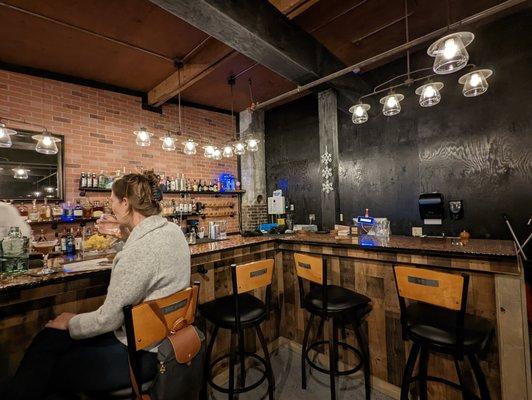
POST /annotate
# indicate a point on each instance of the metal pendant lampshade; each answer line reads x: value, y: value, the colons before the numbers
x: 143, y: 137
x: 208, y: 151
x: 252, y: 143
x: 168, y: 142
x: 449, y: 52
x: 46, y: 143
x: 429, y: 94
x: 5, y: 136
x: 475, y: 82
x: 20, y: 173
x: 216, y: 154
x: 360, y: 113
x: 228, y: 151
x: 189, y: 147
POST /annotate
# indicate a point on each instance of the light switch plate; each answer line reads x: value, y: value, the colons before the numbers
x: 417, y: 231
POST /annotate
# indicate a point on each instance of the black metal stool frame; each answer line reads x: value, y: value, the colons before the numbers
x: 238, y: 330
x: 422, y: 348
x: 333, y: 372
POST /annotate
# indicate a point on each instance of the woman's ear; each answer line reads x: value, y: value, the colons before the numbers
x: 125, y: 203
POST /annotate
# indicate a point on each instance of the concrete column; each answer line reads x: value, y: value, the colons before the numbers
x: 253, y: 172
x: 328, y: 139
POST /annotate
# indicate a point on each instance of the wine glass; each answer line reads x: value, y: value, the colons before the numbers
x: 45, y: 248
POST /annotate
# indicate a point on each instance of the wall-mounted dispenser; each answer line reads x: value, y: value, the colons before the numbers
x: 431, y: 208
x: 456, y: 209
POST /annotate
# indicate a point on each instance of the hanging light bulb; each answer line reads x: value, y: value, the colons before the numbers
x: 391, y: 104
x: 360, y: 113
x: 227, y: 151
x: 143, y: 137
x: 216, y: 154
x: 168, y: 142
x: 208, y: 151
x: 49, y: 189
x: 5, y: 136
x: 189, y: 147
x: 475, y: 82
x: 429, y: 94
x: 450, y: 52
x: 20, y: 173
x: 46, y: 143
x: 252, y: 143
x: 240, y: 147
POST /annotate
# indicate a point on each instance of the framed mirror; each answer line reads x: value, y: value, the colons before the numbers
x: 26, y: 175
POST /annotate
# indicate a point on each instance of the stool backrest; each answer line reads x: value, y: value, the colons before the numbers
x: 150, y: 322
x: 254, y: 275
x: 313, y: 269
x: 251, y: 276
x: 433, y: 287
x: 436, y: 288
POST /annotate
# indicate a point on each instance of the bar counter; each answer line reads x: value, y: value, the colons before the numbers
x: 496, y: 292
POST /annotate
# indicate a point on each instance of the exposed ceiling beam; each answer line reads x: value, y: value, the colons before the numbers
x: 258, y: 30
x: 199, y: 65
x: 292, y: 8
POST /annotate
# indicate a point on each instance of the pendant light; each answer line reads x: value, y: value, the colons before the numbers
x: 360, y: 113
x: 227, y: 151
x: 216, y: 154
x: 5, y: 136
x: 20, y: 173
x: 46, y: 143
x: 475, y: 82
x: 391, y: 104
x: 143, y: 137
x: 240, y: 147
x: 168, y: 142
x: 208, y: 151
x: 252, y: 143
x: 450, y: 52
x: 429, y: 94
x: 189, y: 147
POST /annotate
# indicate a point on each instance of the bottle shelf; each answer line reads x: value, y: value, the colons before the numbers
x: 60, y: 221
x: 178, y: 192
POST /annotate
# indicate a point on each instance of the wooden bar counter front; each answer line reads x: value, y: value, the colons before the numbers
x: 496, y: 292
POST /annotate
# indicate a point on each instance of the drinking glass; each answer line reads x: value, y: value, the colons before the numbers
x: 45, y: 248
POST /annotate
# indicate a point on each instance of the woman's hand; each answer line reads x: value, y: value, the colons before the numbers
x: 61, y: 321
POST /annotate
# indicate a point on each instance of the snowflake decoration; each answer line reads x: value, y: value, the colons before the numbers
x: 326, y: 172
x: 327, y: 186
x: 326, y: 157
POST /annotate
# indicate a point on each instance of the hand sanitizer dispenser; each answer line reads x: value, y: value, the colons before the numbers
x: 431, y: 208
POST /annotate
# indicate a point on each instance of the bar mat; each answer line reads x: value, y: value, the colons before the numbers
x: 89, y: 265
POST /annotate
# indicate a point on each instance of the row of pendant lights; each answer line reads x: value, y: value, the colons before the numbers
x: 239, y: 147
x: 450, y: 56
x: 46, y: 143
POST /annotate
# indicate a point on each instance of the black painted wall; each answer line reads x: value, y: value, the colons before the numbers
x: 478, y: 150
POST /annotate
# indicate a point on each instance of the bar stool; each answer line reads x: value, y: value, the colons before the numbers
x: 435, y: 320
x: 237, y: 312
x: 343, y: 306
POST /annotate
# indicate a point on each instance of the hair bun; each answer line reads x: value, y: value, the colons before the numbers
x: 153, y: 181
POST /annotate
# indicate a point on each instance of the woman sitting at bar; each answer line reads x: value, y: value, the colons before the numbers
x: 87, y: 352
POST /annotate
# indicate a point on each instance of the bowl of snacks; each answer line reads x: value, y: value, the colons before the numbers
x: 98, y: 244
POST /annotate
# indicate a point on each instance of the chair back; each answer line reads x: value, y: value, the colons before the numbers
x: 248, y: 277
x: 440, y: 289
x: 150, y: 322
x: 313, y: 269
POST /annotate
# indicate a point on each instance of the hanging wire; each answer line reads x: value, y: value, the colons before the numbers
x: 252, y: 100
x: 407, y: 37
x: 231, y: 82
x: 179, y: 99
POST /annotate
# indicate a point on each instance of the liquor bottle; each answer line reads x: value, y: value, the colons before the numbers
x: 97, y: 210
x: 238, y: 185
x: 78, y: 210
x: 183, y: 183
x: 33, y: 214
x: 194, y: 186
x: 46, y: 211
x: 57, y: 248
x: 22, y: 210
x: 41, y: 237
x: 102, y: 180
x: 87, y: 210
x: 78, y: 240
x: 173, y: 186
x: 57, y: 211
x: 83, y: 180
x: 94, y: 180
x: 218, y: 185
x: 70, y: 243
x: 68, y: 212
x: 62, y: 240
x: 107, y: 208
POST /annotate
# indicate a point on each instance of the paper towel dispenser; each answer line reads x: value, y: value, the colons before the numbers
x: 431, y: 208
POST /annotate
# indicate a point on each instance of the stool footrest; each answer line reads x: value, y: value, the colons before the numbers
x: 430, y: 378
x: 241, y: 389
x: 328, y: 371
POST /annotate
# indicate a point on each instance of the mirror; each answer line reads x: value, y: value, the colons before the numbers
x: 26, y: 174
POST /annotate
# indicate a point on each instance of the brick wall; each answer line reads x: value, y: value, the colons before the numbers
x: 98, y: 130
x: 253, y: 216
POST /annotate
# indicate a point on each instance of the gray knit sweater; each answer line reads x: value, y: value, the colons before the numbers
x: 154, y: 263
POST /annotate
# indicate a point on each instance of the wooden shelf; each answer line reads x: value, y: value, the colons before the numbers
x: 60, y: 221
x: 180, y: 192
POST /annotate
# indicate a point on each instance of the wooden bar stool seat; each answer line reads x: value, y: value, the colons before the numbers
x: 237, y: 312
x: 340, y: 305
x: 435, y: 320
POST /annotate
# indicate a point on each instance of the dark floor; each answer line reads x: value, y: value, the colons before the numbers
x: 287, y: 369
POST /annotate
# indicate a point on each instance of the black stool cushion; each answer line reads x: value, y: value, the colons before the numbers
x: 437, y: 326
x: 221, y: 311
x: 339, y: 300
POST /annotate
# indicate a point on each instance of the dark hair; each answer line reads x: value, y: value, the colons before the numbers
x: 142, y: 191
